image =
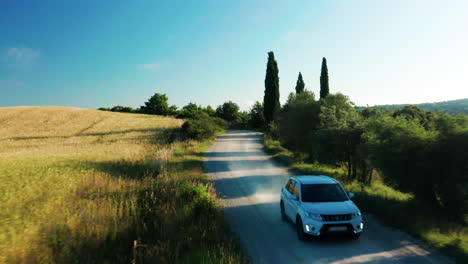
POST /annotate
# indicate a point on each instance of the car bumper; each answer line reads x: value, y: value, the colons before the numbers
x: 317, y: 228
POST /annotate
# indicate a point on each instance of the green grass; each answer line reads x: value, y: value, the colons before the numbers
x: 90, y: 186
x: 391, y: 206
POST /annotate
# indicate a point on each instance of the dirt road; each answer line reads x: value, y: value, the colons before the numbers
x: 249, y: 183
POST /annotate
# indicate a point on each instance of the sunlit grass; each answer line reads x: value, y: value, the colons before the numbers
x: 84, y: 185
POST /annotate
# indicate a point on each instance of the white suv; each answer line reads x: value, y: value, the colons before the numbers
x: 319, y: 205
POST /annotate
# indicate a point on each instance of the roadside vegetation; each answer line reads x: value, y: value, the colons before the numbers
x: 407, y: 166
x: 459, y: 106
x: 225, y: 115
x: 89, y: 186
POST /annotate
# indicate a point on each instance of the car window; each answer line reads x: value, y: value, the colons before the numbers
x: 323, y: 193
x: 289, y: 186
x: 295, y: 189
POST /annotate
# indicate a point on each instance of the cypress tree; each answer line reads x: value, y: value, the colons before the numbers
x: 271, y: 102
x: 300, y: 85
x: 324, y: 88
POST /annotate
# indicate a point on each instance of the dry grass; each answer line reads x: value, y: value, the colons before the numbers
x: 83, y: 185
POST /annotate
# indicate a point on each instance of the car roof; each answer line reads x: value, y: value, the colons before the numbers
x: 314, y: 179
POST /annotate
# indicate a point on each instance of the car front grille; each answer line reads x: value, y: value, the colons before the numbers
x: 334, y: 218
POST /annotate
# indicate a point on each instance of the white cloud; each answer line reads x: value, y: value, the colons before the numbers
x: 149, y: 66
x: 20, y: 56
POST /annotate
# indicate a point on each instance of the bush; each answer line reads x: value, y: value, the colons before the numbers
x: 202, y: 127
x: 256, y: 119
x: 296, y: 121
x: 228, y: 111
x: 122, y: 109
x: 191, y: 110
x: 221, y: 123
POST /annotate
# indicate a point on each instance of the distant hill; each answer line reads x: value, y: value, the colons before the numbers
x: 459, y: 106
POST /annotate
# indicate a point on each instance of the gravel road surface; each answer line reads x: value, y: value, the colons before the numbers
x: 249, y: 183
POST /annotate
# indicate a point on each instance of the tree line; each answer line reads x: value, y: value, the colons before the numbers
x: 411, y: 149
x: 158, y: 104
x: 417, y: 151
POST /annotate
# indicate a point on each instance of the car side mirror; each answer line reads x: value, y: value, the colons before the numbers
x: 351, y: 195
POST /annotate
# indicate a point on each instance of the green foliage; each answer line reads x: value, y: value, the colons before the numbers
x: 447, y: 172
x: 300, y: 85
x: 453, y: 107
x: 228, y: 111
x: 242, y: 121
x: 430, y: 163
x: 173, y: 110
x: 119, y: 108
x: 191, y: 110
x: 210, y: 111
x: 324, y: 87
x: 407, y: 147
x: 396, y: 145
x: 123, y: 109
x: 271, y: 104
x: 337, y: 111
x: 221, y: 123
x: 202, y: 127
x: 369, y: 112
x: 338, y: 138
x: 297, y: 120
x: 278, y: 152
x: 256, y: 119
x: 425, y: 118
x: 156, y: 105
x: 383, y: 201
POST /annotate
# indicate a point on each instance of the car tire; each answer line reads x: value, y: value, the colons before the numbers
x: 355, y: 236
x: 300, y: 229
x: 284, y: 217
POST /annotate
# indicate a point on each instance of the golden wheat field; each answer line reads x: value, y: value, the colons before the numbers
x: 69, y: 180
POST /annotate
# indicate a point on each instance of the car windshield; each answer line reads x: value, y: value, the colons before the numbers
x: 323, y: 193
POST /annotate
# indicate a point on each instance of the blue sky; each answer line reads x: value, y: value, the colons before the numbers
x: 104, y: 53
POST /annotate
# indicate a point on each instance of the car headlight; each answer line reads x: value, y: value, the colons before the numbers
x: 313, y: 216
x: 356, y: 214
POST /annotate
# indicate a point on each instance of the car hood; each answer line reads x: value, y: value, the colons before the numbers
x: 331, y: 208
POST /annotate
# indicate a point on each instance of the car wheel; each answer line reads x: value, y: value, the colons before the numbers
x: 355, y: 236
x: 283, y: 213
x: 300, y: 230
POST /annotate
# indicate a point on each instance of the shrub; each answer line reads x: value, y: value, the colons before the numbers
x: 297, y: 119
x: 228, y: 111
x: 202, y: 127
x: 191, y: 110
x: 221, y: 123
x: 122, y: 109
x: 256, y: 119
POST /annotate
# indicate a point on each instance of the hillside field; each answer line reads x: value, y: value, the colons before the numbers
x: 91, y: 186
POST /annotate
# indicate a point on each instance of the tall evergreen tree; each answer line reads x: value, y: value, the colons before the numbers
x: 324, y: 88
x: 300, y: 85
x: 271, y: 104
